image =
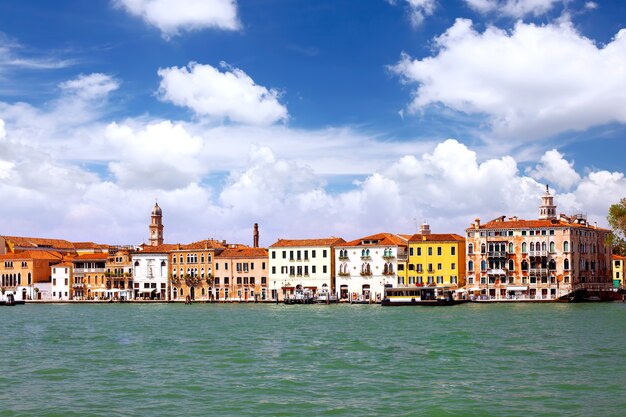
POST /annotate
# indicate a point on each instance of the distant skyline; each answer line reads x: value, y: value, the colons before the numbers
x: 311, y: 118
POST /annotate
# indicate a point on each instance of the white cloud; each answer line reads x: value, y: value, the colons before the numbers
x: 591, y: 5
x: 173, y: 16
x: 231, y: 94
x: 532, y: 82
x: 418, y: 9
x: 556, y: 170
x: 14, y: 55
x: 90, y: 86
x: 513, y: 8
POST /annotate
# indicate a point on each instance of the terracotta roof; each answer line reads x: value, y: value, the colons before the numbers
x: 32, y: 254
x: 36, y: 242
x: 285, y: 243
x: 243, y: 253
x: 200, y: 245
x: 164, y: 248
x: 436, y: 237
x: 91, y: 256
x: 384, y: 239
x: 69, y: 264
x: 531, y: 224
x: 618, y: 257
x: 89, y: 245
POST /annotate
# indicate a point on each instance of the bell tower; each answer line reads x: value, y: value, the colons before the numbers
x: 156, y: 226
x: 547, y: 209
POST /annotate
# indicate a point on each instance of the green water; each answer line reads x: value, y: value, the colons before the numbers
x: 342, y: 360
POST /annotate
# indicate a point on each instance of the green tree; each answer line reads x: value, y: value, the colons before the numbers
x: 617, y: 221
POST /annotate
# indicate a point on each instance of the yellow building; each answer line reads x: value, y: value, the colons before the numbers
x: 436, y: 259
x: 618, y: 271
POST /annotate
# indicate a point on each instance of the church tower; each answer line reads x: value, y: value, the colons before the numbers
x: 156, y: 226
x: 547, y: 210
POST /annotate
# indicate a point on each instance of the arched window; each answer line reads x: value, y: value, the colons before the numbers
x: 566, y: 246
x: 363, y: 252
x: 483, y: 248
x: 524, y: 247
x: 136, y: 263
x: 552, y: 247
x: 30, y: 279
x: 524, y: 265
x: 386, y: 269
x: 532, y: 246
x: 390, y: 268
x: 367, y: 252
x: 19, y: 278
x: 483, y: 265
x: 543, y: 246
x: 511, y: 247
x: 369, y: 270
x: 470, y: 248
x: 470, y: 266
x: 566, y: 264
x: 552, y: 265
x: 511, y: 265
x: 162, y: 263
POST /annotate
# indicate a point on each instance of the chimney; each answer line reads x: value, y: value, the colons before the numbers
x: 255, y: 237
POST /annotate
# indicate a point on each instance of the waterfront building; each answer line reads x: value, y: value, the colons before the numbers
x: 25, y: 274
x: 241, y: 274
x: 365, y: 266
x: 302, y: 264
x: 83, y: 248
x: 191, y: 271
x: 618, y: 271
x: 546, y: 258
x: 436, y: 259
x: 62, y: 280
x: 119, y: 274
x: 89, y: 276
x: 151, y: 272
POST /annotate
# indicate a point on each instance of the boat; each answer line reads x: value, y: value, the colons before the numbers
x: 420, y: 296
x: 300, y: 297
x: 325, y: 297
x: 11, y: 301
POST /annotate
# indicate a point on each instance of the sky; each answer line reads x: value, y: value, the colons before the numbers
x: 312, y: 118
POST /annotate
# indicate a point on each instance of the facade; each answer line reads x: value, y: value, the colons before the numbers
x: 62, y: 279
x: 298, y: 265
x: 365, y: 266
x: 191, y: 271
x: 241, y: 274
x: 618, y: 271
x: 536, y: 259
x: 25, y: 274
x: 89, y: 281
x: 436, y: 259
x: 119, y: 274
x: 151, y: 272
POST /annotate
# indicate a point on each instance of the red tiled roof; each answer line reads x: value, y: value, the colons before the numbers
x: 164, y: 248
x: 436, y: 237
x: 89, y: 245
x: 383, y: 239
x: 531, y: 224
x: 68, y: 264
x: 242, y: 252
x: 32, y: 254
x: 36, y: 242
x: 200, y: 245
x: 285, y: 243
x: 618, y: 257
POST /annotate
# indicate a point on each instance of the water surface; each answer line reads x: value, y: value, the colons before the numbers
x: 341, y: 360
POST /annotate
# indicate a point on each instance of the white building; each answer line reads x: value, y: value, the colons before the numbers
x: 365, y: 266
x: 304, y: 264
x: 61, y: 281
x: 150, y: 272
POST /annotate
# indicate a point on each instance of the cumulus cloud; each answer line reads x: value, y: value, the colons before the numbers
x: 556, y: 170
x: 231, y: 94
x: 173, y: 16
x: 90, y: 86
x: 531, y: 82
x: 419, y: 9
x: 513, y: 8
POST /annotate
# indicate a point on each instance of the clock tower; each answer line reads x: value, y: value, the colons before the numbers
x: 156, y: 226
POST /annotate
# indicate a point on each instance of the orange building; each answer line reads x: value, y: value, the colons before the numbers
x: 21, y: 272
x: 191, y: 269
x: 119, y: 274
x: 241, y: 274
x: 89, y: 276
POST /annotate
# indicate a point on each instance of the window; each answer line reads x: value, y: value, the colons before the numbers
x: 324, y: 253
x: 430, y: 251
x: 313, y: 268
x: 419, y: 251
x: 225, y: 266
x: 400, y: 280
x: 470, y: 266
x: 523, y: 232
x: 439, y: 267
x: 273, y: 254
x: 216, y: 280
x: 566, y: 246
x: 430, y: 267
x: 324, y: 268
x: 453, y: 250
x: 483, y: 248
x: 419, y: 267
x: 439, y: 280
x: 226, y: 280
x: 511, y: 265
x: 411, y: 267
x: 470, y: 248
x: 291, y: 255
x: 524, y: 247
x: 438, y: 250
x: 483, y: 265
x: 453, y: 266
x: 410, y: 251
x: 511, y: 249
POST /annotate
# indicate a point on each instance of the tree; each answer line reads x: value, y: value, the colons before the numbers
x: 617, y: 221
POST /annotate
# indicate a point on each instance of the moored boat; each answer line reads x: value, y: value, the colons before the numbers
x: 422, y: 296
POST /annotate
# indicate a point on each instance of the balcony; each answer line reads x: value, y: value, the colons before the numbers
x: 366, y: 258
x: 389, y: 273
x: 496, y: 254
x: 538, y: 253
x: 403, y: 258
x: 344, y: 274
x: 343, y: 258
x: 388, y: 256
x: 366, y: 273
x: 539, y: 271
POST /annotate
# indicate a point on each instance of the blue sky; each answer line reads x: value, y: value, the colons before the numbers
x: 312, y: 118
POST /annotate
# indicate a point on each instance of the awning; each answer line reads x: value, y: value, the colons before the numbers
x: 473, y: 289
x: 518, y: 288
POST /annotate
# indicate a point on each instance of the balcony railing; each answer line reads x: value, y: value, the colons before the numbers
x: 403, y: 258
x: 366, y: 273
x: 343, y: 258
x: 344, y: 274
x: 538, y: 253
x: 539, y: 271
x: 497, y: 254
